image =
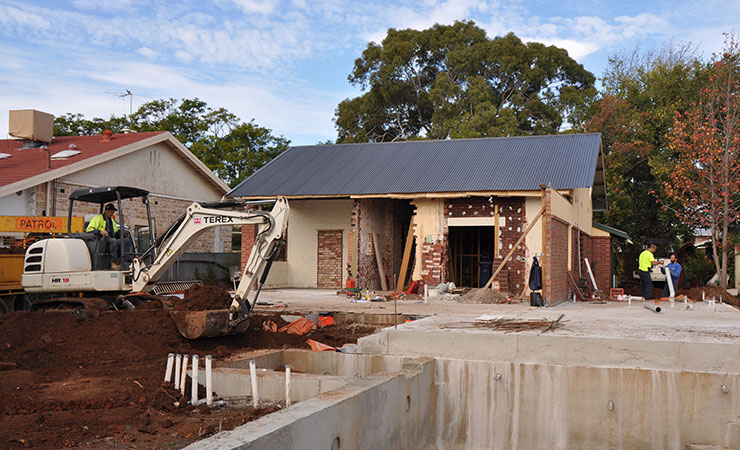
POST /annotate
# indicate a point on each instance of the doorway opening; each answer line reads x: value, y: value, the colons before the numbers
x: 471, y: 252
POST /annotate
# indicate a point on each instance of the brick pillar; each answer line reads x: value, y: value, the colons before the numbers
x: 249, y: 234
x: 433, y: 256
x: 602, y: 258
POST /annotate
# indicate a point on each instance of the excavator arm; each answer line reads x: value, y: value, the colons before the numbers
x: 272, y: 226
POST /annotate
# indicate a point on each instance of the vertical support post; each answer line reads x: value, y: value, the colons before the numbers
x: 495, y: 231
x: 379, y: 260
x: 406, y: 257
x: 543, y: 260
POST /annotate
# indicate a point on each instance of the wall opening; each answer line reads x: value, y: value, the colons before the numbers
x: 471, y: 255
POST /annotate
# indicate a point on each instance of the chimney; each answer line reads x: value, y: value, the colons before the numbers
x: 107, y: 136
x: 34, y: 127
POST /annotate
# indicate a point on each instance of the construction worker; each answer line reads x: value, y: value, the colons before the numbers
x: 645, y: 263
x: 104, y: 225
x: 672, y: 276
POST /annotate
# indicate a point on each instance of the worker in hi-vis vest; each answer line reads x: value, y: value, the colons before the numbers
x: 645, y: 263
x: 104, y: 225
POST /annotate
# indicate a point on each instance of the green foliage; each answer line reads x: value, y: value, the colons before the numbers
x: 452, y: 81
x: 699, y: 267
x: 232, y: 149
x: 642, y: 93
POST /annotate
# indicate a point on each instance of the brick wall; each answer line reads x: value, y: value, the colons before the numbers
x: 377, y: 215
x: 329, y: 254
x: 557, y: 261
x: 249, y: 234
x: 602, y: 260
x: 433, y: 267
x: 164, y: 210
x: 512, y: 211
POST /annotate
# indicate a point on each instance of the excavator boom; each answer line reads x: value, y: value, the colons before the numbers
x: 272, y: 226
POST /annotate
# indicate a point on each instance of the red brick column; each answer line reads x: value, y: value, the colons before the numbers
x: 557, y: 261
x: 249, y: 234
x: 602, y: 257
x: 432, y: 263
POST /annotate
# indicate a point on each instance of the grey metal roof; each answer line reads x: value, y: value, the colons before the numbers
x: 460, y: 165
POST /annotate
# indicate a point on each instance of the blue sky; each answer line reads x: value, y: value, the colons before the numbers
x: 284, y: 63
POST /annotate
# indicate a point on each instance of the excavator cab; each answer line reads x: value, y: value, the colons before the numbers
x: 100, y: 246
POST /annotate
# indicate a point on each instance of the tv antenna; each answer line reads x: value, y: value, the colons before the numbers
x: 122, y: 96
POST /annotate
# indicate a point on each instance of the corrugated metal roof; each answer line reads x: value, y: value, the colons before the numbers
x: 460, y: 165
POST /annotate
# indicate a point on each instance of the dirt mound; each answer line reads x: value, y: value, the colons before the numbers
x: 695, y: 294
x: 489, y: 296
x: 97, y: 380
x: 202, y: 297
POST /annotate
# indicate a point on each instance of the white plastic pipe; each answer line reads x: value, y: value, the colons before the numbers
x: 178, y: 365
x: 591, y: 274
x: 184, y: 377
x: 287, y: 386
x: 253, y: 376
x: 426, y: 293
x: 168, y: 370
x: 209, y: 381
x: 194, y: 381
x: 669, y: 280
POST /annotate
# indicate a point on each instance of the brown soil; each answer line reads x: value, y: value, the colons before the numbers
x: 201, y: 297
x: 96, y: 381
x: 709, y: 292
x: 694, y: 294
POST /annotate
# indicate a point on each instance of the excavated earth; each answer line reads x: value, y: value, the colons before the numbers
x: 95, y: 381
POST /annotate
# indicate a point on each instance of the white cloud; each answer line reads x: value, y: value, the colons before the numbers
x: 12, y: 16
x: 103, y: 5
x: 147, y: 53
x: 257, y: 6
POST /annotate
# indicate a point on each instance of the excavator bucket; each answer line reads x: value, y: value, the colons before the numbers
x: 208, y: 323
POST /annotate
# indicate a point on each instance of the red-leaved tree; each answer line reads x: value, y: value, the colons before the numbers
x: 705, y: 180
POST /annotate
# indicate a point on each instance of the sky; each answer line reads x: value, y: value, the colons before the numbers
x: 284, y: 63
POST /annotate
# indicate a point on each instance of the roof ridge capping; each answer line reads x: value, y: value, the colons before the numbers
x: 423, y: 141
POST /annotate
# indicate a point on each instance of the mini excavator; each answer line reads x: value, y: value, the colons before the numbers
x: 78, y: 270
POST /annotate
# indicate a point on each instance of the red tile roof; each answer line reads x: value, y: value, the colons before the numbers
x: 30, y: 162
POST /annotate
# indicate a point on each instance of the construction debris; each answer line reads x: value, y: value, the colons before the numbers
x: 514, y: 325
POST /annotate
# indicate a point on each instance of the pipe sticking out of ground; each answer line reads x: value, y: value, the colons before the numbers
x: 194, y: 382
x: 178, y: 365
x: 209, y: 381
x: 253, y: 376
x: 168, y: 370
x: 287, y: 386
x: 184, y: 377
x: 652, y: 307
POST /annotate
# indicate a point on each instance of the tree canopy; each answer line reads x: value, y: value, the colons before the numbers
x: 642, y: 92
x: 453, y: 81
x: 231, y: 148
x: 705, y: 177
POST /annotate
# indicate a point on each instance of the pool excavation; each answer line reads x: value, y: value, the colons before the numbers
x: 442, y: 375
x: 447, y: 382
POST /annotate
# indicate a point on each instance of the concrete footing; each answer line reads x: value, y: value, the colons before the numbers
x: 427, y: 386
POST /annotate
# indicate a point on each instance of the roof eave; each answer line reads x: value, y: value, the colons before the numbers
x: 165, y: 137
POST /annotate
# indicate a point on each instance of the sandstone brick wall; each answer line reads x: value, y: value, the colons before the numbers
x: 164, y: 210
